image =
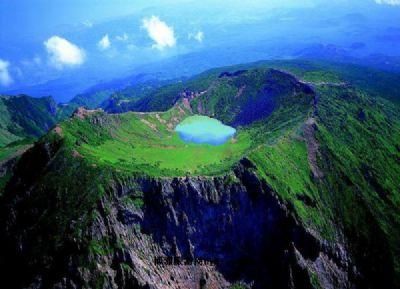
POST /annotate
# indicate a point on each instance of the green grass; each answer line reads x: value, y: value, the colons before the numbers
x: 284, y: 165
x: 363, y: 167
x: 134, y: 200
x: 315, y: 281
x: 238, y: 286
x: 376, y: 83
x: 14, y: 149
x: 358, y: 134
x: 147, y: 143
x: 101, y: 248
x: 25, y: 117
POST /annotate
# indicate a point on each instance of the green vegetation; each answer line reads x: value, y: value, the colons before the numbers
x: 360, y: 139
x: 315, y: 281
x: 154, y: 95
x: 25, y: 117
x: 91, y: 100
x: 238, y: 286
x: 22, y: 120
x: 104, y: 246
x: 135, y: 199
x: 101, y: 247
x: 354, y: 134
x: 8, y: 155
x: 147, y: 143
x: 14, y: 149
x: 376, y: 83
x: 285, y: 167
x: 162, y: 97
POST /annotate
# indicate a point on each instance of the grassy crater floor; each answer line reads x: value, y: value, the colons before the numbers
x: 147, y: 143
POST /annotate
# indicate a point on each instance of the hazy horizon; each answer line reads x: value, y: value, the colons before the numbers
x: 71, y: 46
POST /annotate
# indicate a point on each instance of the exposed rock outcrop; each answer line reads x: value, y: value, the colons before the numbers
x: 309, y: 130
x: 235, y: 222
x: 222, y: 230
x: 82, y: 112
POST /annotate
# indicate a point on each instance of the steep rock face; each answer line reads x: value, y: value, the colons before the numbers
x: 236, y: 225
x: 68, y: 222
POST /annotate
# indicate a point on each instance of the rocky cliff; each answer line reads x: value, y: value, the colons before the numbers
x: 191, y: 232
x: 307, y: 197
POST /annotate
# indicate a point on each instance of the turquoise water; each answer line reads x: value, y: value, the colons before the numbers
x: 201, y: 129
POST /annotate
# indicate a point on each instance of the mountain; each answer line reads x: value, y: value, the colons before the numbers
x: 22, y: 120
x: 321, y: 51
x: 161, y: 95
x: 25, y: 117
x: 341, y: 54
x: 306, y: 195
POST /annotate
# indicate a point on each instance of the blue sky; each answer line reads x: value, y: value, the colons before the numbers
x: 79, y: 43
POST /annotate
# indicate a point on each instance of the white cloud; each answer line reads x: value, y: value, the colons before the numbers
x: 162, y: 34
x: 104, y: 42
x: 388, y: 2
x: 63, y: 53
x: 123, y: 37
x: 5, y: 77
x: 199, y: 36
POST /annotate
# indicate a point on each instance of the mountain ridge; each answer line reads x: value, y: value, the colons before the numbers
x: 82, y: 210
x: 24, y: 117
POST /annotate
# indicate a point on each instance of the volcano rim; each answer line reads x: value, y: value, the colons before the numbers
x: 147, y: 143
